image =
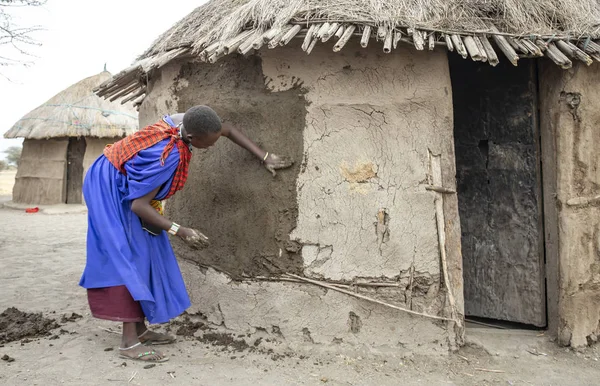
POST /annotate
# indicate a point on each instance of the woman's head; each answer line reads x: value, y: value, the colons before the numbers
x: 202, y: 125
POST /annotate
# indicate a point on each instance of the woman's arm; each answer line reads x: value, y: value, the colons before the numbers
x: 141, y: 207
x: 271, y: 161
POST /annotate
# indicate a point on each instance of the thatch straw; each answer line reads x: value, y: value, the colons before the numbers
x: 76, y: 112
x: 221, y: 20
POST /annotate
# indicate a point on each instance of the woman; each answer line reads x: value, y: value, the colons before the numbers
x: 131, y: 273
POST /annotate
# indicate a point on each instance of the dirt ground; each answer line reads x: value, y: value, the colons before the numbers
x: 41, y: 259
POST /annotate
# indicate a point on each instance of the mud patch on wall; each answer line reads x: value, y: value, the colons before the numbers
x: 247, y: 214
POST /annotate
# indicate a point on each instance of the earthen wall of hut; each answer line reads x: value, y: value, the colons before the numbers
x: 369, y: 132
x: 570, y: 130
x: 41, y: 175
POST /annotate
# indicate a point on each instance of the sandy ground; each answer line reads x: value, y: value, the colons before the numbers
x: 7, y: 181
x: 41, y: 259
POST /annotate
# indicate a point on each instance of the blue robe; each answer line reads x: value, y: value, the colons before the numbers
x: 119, y: 251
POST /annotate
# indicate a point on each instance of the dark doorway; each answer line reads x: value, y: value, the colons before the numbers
x: 496, y: 137
x: 75, y: 154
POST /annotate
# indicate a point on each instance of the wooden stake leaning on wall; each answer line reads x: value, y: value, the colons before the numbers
x: 592, y: 49
x: 253, y: 42
x: 459, y: 46
x: 507, y: 49
x: 489, y: 51
x: 558, y: 57
x: 344, y: 39
x: 435, y: 164
x: 290, y: 35
x: 308, y: 37
x: 572, y: 51
x: 472, y: 48
x: 340, y: 32
x: 134, y: 95
x: 387, y: 42
x: 329, y: 34
x: 366, y: 35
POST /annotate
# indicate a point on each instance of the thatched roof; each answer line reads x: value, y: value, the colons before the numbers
x: 562, y: 30
x: 75, y: 112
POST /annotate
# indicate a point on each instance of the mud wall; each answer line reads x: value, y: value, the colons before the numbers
x: 93, y: 150
x: 363, y: 128
x: 41, y: 174
x: 569, y: 124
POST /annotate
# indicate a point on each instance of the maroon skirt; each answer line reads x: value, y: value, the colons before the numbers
x: 114, y: 303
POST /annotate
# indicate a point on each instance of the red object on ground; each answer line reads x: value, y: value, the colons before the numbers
x: 32, y: 210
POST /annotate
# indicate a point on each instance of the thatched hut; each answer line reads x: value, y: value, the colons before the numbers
x: 445, y: 165
x: 62, y: 138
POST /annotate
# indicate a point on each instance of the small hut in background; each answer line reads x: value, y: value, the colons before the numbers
x: 446, y: 165
x: 62, y: 138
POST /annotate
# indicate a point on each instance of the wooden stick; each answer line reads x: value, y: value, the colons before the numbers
x: 532, y: 47
x: 366, y: 35
x: 449, y: 44
x: 387, y: 43
x: 340, y: 32
x: 290, y: 35
x: 489, y: 51
x: 517, y: 45
x: 359, y: 296
x: 329, y: 34
x: 436, y: 179
x: 133, y: 376
x: 323, y: 30
x: 480, y: 48
x: 232, y: 45
x: 275, y: 41
x: 489, y: 371
x: 134, y: 95
x: 308, y: 37
x: 431, y: 41
x: 507, y: 49
x: 583, y: 201
x: 459, y: 46
x: 381, y: 33
x: 270, y: 34
x: 418, y: 39
x: 312, y: 45
x: 439, y: 189
x: 344, y: 39
x: 397, y: 37
x: 572, y: 51
x: 472, y: 48
x: 125, y: 91
x: 109, y: 330
x: 558, y: 57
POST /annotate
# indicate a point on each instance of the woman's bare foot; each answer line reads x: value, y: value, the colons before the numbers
x: 142, y: 353
x: 150, y: 337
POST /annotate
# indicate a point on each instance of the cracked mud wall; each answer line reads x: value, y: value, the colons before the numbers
x: 361, y: 126
x: 371, y: 121
x: 569, y: 121
x: 229, y: 196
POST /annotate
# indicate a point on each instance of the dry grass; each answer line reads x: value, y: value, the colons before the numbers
x: 75, y: 112
x: 224, y: 19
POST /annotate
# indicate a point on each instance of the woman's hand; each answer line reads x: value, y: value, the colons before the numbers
x: 193, y: 238
x: 275, y: 162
